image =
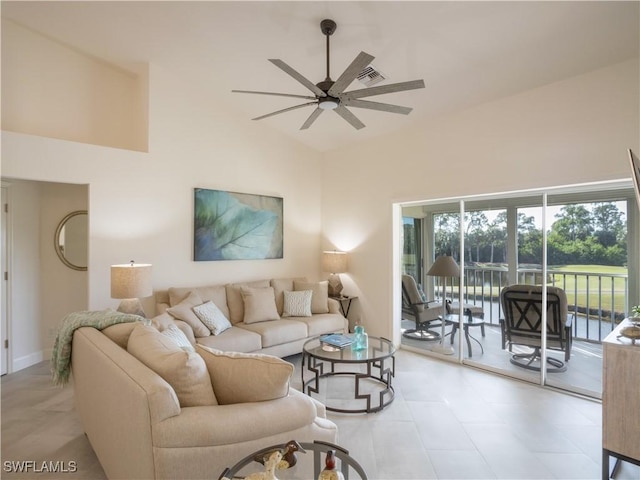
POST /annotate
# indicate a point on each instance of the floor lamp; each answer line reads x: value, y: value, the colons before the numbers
x: 444, y: 266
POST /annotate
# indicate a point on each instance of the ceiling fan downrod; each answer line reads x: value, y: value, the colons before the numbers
x: 328, y: 27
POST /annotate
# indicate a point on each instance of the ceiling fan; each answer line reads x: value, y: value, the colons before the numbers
x: 330, y: 95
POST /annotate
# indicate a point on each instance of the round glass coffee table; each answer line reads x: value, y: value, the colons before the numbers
x: 372, y: 370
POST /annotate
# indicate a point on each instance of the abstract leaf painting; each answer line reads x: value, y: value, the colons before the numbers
x: 236, y: 226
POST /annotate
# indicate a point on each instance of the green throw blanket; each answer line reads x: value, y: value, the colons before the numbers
x: 61, y: 357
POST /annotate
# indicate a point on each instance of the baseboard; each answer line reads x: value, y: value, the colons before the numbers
x: 27, y: 360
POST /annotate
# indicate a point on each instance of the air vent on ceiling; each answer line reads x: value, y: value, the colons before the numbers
x: 370, y: 76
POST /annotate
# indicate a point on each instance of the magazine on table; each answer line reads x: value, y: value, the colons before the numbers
x: 336, y: 340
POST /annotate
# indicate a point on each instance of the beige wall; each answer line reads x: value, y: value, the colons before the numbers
x: 141, y: 204
x: 54, y: 91
x: 568, y: 132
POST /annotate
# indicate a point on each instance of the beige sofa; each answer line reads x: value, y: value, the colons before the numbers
x: 135, y: 423
x: 281, y: 335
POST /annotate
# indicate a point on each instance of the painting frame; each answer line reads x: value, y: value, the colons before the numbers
x: 237, y: 226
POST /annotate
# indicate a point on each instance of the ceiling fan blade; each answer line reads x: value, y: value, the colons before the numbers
x: 312, y: 118
x: 349, y: 117
x: 393, y: 87
x: 383, y: 107
x: 307, y: 83
x: 276, y: 94
x: 349, y: 75
x: 284, y: 110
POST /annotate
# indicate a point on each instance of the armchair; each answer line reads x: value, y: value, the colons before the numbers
x: 424, y: 313
x: 522, y: 323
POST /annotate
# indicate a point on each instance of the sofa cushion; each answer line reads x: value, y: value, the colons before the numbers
x: 321, y: 323
x: 297, y: 304
x: 175, y: 334
x: 185, y: 371
x: 212, y: 317
x: 281, y: 285
x: 320, y: 297
x: 277, y: 332
x: 234, y: 339
x: 184, y: 311
x: 259, y: 304
x: 234, y: 299
x: 217, y: 294
x: 246, y: 377
x: 120, y: 332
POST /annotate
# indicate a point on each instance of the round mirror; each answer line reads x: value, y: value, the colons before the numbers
x: 70, y: 240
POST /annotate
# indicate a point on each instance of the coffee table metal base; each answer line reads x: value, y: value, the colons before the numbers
x: 383, y: 376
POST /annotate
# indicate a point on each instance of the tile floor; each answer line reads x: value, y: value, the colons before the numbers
x: 446, y: 422
x: 584, y: 369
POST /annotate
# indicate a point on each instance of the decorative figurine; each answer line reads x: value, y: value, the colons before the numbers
x: 289, y: 457
x: 270, y: 470
x: 330, y: 472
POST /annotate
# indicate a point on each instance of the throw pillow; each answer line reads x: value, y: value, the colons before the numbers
x: 297, y: 304
x: 259, y: 304
x: 120, y: 332
x: 183, y: 311
x: 212, y: 317
x: 320, y: 297
x: 246, y: 377
x: 175, y: 334
x: 186, y: 372
x: 234, y: 298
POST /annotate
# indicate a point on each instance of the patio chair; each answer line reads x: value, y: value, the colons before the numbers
x: 521, y: 325
x: 424, y: 312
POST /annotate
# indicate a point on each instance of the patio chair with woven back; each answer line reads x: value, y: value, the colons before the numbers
x: 425, y: 313
x: 522, y: 324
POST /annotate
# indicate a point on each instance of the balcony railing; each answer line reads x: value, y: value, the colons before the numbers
x: 597, y: 300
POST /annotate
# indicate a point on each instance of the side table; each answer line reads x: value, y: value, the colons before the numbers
x: 319, y: 449
x: 342, y: 299
x: 468, y: 321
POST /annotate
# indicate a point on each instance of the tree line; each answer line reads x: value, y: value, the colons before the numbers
x: 582, y: 234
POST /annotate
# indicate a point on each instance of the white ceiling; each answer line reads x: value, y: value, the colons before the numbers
x: 466, y: 52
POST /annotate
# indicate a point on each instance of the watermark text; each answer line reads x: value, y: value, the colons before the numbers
x: 32, y: 466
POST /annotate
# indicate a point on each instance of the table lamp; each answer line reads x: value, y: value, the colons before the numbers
x: 444, y: 266
x: 335, y: 263
x: 130, y: 282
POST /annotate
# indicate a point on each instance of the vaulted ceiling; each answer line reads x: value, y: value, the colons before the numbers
x: 466, y: 52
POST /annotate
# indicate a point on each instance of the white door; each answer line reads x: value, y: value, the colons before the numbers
x: 4, y: 342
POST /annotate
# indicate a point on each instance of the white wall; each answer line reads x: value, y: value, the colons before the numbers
x: 569, y: 132
x: 141, y: 204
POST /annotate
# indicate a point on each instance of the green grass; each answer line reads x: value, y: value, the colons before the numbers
x: 573, y: 279
x: 581, y: 292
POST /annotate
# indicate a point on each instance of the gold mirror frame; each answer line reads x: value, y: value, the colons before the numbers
x: 56, y: 241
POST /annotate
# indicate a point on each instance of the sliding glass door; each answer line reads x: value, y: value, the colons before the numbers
x: 576, y: 241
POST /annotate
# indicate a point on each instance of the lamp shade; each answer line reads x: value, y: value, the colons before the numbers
x: 131, y: 280
x: 444, y: 266
x: 334, y: 262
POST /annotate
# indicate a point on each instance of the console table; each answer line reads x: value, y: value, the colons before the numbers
x: 620, y: 400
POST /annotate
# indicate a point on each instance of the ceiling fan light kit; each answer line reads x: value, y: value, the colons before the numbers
x: 330, y: 95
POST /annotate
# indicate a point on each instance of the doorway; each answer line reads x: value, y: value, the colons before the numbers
x: 4, y: 328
